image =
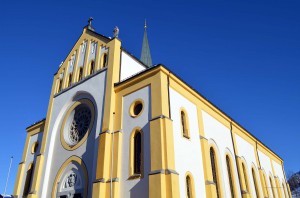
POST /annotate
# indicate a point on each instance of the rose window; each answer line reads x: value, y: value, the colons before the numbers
x: 80, y: 124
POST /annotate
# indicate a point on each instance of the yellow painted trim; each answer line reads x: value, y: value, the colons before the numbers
x: 218, y: 169
x: 62, y: 130
x: 132, y: 175
x: 192, y: 184
x: 185, y: 132
x: 28, y: 179
x: 102, y: 63
x: 34, y: 147
x: 272, y: 186
x: 255, y: 181
x: 36, y: 177
x: 133, y: 104
x: 18, y: 182
x: 64, y: 166
x: 232, y: 168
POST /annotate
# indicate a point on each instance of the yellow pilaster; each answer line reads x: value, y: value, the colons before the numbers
x: 101, y: 187
x: 163, y: 179
x: 289, y: 189
x: 278, y: 187
x: 20, y: 175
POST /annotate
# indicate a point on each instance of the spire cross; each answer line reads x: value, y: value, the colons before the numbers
x: 90, y: 21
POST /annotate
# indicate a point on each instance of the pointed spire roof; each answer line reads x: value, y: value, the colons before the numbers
x: 146, y: 55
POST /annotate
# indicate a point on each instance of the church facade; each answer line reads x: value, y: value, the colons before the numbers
x: 117, y: 126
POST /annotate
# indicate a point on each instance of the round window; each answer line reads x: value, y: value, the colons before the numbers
x: 34, y: 147
x: 77, y: 124
x: 136, y: 108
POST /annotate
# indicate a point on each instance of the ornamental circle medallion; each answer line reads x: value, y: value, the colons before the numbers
x: 77, y: 124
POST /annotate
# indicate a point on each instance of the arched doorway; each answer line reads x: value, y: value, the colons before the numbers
x: 71, y: 180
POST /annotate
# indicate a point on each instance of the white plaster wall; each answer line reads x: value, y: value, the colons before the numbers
x: 72, y: 62
x: 82, y: 51
x: 92, y: 51
x: 279, y: 173
x: 55, y: 154
x: 135, y: 187
x: 31, y: 157
x: 129, y: 66
x: 246, y: 151
x: 265, y: 163
x: 188, y: 157
x: 220, y: 136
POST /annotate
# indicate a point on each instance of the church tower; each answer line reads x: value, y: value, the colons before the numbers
x: 146, y: 55
x: 117, y: 126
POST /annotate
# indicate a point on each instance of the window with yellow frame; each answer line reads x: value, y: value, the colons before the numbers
x: 184, y: 123
x: 136, y: 154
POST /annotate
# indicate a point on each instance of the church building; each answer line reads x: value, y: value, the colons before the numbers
x: 119, y: 127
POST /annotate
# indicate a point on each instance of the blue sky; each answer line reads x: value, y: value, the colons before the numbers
x: 244, y: 56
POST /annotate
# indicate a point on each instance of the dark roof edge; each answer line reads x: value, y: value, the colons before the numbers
x: 135, y: 58
x: 42, y: 120
x: 232, y: 120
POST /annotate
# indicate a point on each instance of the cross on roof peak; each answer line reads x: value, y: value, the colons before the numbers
x: 90, y: 21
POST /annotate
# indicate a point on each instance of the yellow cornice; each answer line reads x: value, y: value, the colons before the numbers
x: 36, y: 128
x: 161, y: 68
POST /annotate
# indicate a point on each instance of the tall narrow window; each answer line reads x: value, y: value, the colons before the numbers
x: 230, y: 176
x: 80, y: 73
x: 28, y: 180
x: 214, y: 169
x: 59, y: 85
x: 92, y: 67
x: 184, y: 124
x: 137, y: 153
x: 70, y: 80
x: 255, y: 183
x: 104, y: 61
x: 189, y: 189
x: 271, y: 186
x: 245, y: 177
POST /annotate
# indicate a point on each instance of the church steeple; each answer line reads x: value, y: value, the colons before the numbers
x: 146, y: 55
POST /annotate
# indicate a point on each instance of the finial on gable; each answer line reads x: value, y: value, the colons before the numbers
x: 89, y: 25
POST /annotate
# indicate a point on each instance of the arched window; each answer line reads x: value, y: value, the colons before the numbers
x: 80, y: 74
x: 245, y: 177
x: 104, y: 60
x: 28, y: 180
x: 70, y: 80
x: 230, y: 176
x: 59, y: 86
x: 184, y: 124
x: 255, y: 183
x: 214, y: 169
x: 189, y: 187
x: 137, y: 153
x: 272, y: 187
x: 92, y: 67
